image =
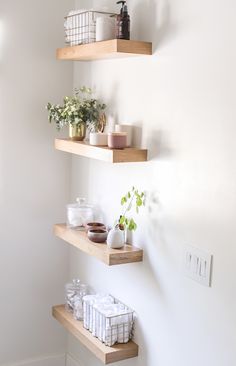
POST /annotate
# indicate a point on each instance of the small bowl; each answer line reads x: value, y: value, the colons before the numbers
x: 97, y: 235
x: 94, y: 226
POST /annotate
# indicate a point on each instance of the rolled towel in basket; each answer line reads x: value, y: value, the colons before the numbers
x: 72, y: 27
x: 88, y: 302
x: 113, y: 323
x: 80, y: 27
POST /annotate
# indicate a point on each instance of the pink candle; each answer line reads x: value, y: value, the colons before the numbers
x: 117, y: 140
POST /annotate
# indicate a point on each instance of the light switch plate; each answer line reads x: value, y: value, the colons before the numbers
x: 197, y: 265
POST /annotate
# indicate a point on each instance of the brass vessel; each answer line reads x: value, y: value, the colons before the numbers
x: 77, y: 132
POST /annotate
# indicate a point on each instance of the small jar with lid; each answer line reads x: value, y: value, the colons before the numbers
x: 71, y: 291
x: 117, y: 140
x: 78, y: 302
x: 79, y: 214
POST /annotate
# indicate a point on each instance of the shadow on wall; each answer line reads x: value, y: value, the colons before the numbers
x: 2, y: 38
x: 137, y: 134
x: 112, y: 108
x: 161, y: 237
x: 158, y: 15
x: 157, y: 145
x: 154, y: 210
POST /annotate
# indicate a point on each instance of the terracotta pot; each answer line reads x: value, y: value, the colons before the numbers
x: 77, y: 132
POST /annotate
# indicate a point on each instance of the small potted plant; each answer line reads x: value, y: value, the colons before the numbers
x: 78, y: 112
x: 117, y: 237
x: 132, y: 198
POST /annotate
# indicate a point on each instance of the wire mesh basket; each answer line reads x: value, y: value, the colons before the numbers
x: 80, y: 26
x: 108, y: 319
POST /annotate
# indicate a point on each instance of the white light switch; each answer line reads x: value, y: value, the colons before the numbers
x: 197, y: 265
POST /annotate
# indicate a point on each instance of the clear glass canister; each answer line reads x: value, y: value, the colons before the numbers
x: 78, y: 302
x: 71, y: 291
x: 79, y: 214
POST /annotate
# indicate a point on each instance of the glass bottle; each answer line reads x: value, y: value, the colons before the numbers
x: 78, y: 302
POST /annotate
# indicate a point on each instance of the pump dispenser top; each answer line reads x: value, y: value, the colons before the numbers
x: 124, y: 5
x: 123, y: 22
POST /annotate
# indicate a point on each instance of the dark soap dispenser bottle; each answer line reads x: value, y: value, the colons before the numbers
x: 123, y: 22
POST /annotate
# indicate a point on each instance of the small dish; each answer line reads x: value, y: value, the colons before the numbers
x: 97, y: 236
x: 94, y: 226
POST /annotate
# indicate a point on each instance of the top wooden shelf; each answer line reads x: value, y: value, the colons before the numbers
x: 115, y: 48
x: 128, y: 155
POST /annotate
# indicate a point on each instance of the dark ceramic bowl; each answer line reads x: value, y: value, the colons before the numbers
x: 97, y: 235
x: 94, y: 226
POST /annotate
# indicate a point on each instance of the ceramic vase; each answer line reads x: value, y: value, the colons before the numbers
x: 116, y: 238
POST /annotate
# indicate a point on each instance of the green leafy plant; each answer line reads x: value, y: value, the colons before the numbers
x: 132, y: 198
x: 78, y: 109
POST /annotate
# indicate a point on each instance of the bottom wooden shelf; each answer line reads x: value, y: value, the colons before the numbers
x: 105, y: 354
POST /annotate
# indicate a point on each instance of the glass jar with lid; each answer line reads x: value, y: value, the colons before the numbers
x: 79, y: 214
x: 71, y: 291
x: 78, y: 302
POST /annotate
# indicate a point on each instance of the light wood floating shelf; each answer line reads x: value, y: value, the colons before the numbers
x: 114, y: 48
x: 105, y: 354
x: 128, y: 155
x: 111, y: 257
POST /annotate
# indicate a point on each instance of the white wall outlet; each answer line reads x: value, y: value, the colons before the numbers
x: 197, y: 265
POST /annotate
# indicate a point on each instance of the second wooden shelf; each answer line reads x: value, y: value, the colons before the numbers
x: 79, y: 239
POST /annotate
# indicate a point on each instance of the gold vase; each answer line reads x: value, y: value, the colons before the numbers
x: 77, y: 132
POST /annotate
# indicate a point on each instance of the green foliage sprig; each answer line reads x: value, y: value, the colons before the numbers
x: 78, y: 109
x: 132, y: 198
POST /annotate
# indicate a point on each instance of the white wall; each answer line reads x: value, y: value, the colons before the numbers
x: 184, y: 99
x: 34, y: 179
